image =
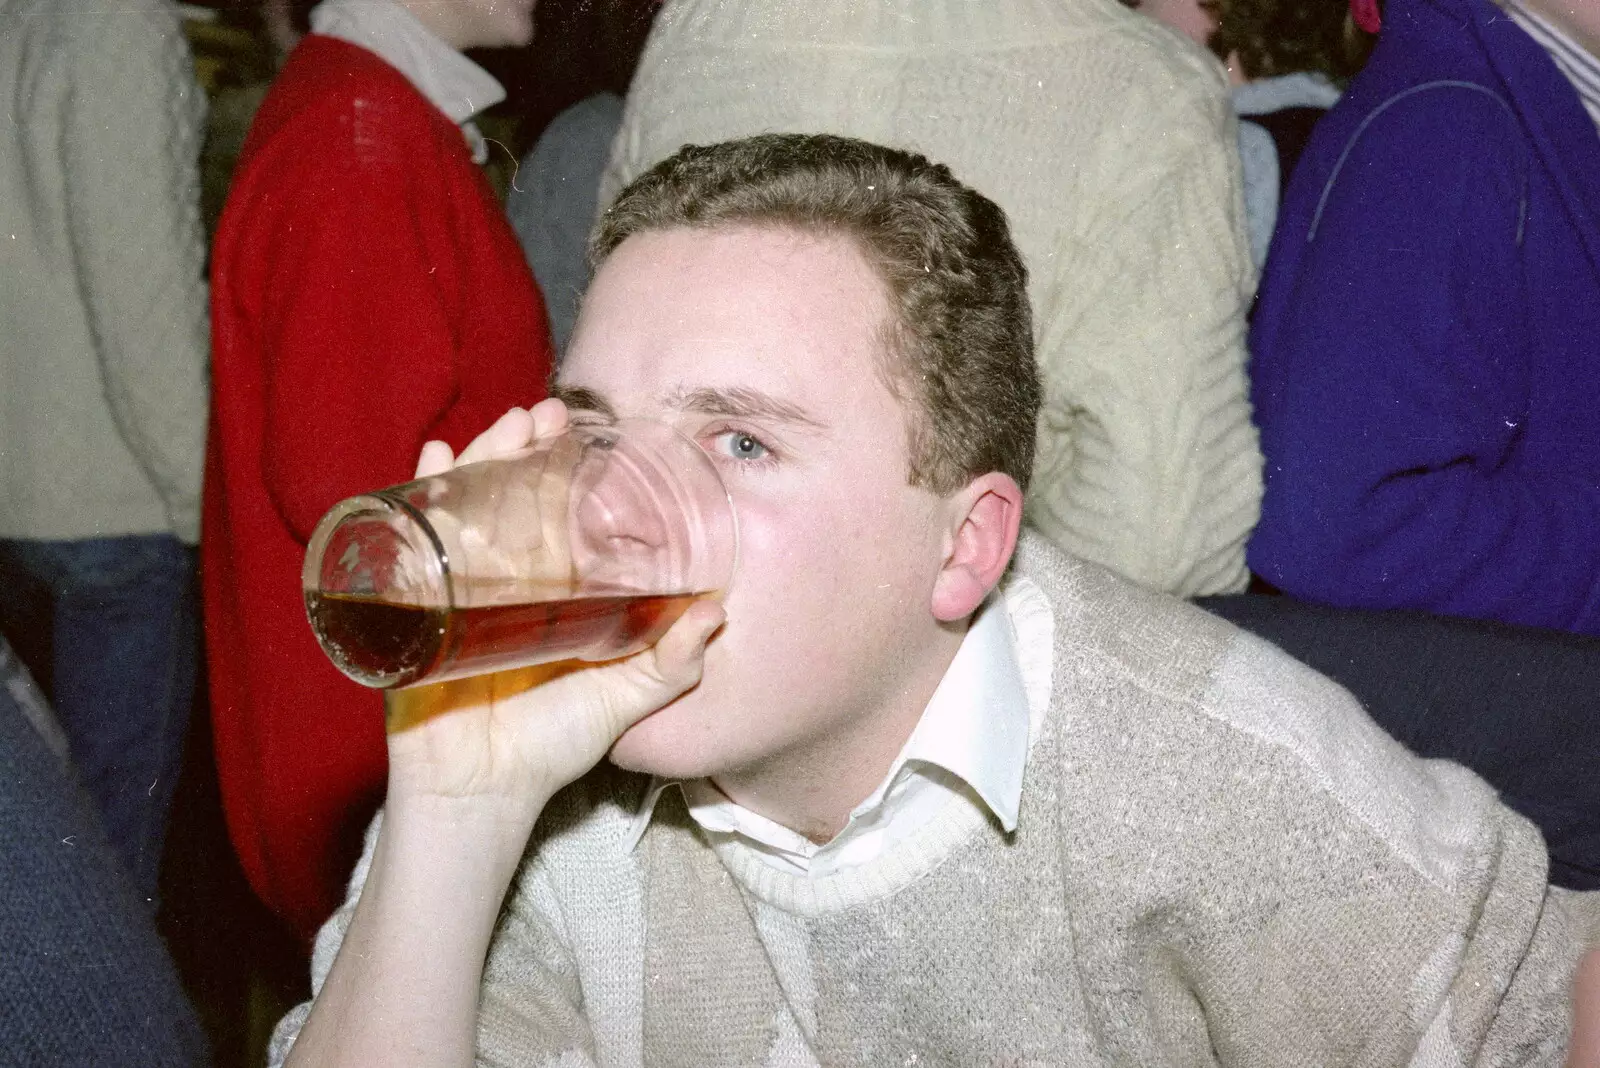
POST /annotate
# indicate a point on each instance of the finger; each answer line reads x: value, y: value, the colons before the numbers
x: 621, y: 693
x: 550, y: 417
x: 435, y: 459
x: 512, y: 431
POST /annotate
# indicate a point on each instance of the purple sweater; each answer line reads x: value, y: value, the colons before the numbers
x: 1427, y: 346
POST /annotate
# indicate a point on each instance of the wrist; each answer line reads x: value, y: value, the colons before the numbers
x: 415, y: 948
x: 465, y: 841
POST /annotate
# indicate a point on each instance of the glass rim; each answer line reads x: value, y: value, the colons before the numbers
x: 383, y: 501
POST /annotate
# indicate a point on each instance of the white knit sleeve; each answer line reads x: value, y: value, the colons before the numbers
x: 133, y: 209
x: 530, y: 1010
x: 1148, y: 461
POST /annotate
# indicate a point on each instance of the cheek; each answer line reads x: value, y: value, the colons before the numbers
x: 823, y: 568
x: 825, y: 587
x: 789, y: 558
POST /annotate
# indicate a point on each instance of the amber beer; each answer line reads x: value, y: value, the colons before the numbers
x: 405, y: 644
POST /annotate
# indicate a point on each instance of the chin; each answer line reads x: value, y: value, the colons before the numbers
x: 657, y: 746
x: 674, y: 743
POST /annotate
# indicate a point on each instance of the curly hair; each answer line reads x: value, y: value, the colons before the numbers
x: 1273, y: 37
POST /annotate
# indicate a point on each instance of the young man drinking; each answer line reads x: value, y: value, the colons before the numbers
x: 900, y: 799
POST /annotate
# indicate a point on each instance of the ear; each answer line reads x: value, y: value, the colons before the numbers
x: 985, y: 516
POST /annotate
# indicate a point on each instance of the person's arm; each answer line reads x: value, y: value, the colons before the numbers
x: 1393, y: 372
x: 403, y: 987
x: 1148, y: 461
x: 472, y: 764
x: 1472, y: 964
x: 552, y: 204
x: 88, y: 980
x: 1347, y: 902
x: 133, y: 216
x: 531, y: 965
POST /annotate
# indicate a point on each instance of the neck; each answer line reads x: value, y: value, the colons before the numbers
x: 812, y: 787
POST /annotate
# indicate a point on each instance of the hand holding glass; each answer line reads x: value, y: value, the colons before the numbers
x: 585, y: 546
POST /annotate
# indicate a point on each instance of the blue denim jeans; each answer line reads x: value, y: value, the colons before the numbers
x: 109, y: 626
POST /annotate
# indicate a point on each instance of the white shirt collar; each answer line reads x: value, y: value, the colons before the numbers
x: 450, y: 81
x: 972, y: 741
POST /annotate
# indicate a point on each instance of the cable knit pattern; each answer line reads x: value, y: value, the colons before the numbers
x: 1110, y: 144
x: 1220, y: 860
x: 103, y: 354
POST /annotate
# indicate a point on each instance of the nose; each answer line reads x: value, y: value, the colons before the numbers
x: 621, y: 522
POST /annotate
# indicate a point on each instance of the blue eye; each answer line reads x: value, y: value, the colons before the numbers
x: 738, y: 445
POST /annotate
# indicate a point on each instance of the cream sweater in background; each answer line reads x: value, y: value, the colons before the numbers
x: 1219, y: 859
x: 103, y: 323
x: 1111, y: 146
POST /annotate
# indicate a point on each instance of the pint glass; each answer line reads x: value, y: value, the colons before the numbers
x: 584, y: 546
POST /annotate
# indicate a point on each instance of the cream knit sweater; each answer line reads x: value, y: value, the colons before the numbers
x: 103, y: 337
x: 1111, y: 146
x: 1219, y: 860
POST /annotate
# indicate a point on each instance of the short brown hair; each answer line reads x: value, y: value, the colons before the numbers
x: 962, y: 341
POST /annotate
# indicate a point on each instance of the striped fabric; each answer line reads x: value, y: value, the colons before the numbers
x: 1581, y: 67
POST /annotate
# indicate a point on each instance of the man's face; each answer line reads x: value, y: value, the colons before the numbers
x: 764, y: 346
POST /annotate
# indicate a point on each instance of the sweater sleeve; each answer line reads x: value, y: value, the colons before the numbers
x: 1313, y: 893
x: 1148, y: 461
x: 530, y: 1015
x: 1393, y: 367
x: 133, y: 214
x: 1377, y: 968
x: 359, y: 341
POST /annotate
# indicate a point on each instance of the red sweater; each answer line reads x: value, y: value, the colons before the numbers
x: 367, y: 295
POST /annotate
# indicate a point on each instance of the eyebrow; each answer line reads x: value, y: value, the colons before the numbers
x: 735, y: 403
x: 741, y: 403
x: 582, y: 399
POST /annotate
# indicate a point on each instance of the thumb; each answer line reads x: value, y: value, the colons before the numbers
x: 661, y: 674
x: 680, y: 654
